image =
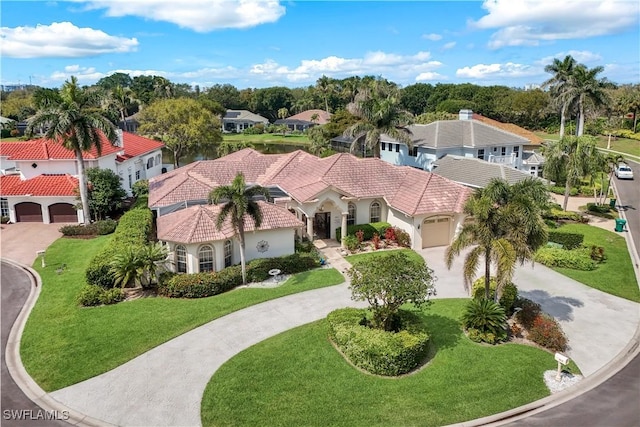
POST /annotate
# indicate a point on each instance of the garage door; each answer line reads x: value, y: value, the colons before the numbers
x: 435, y: 232
x: 28, y: 212
x: 62, y: 212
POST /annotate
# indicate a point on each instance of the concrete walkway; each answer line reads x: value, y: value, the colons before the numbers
x: 573, y: 206
x: 164, y: 386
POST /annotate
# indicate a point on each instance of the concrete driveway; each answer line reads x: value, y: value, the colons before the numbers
x: 20, y: 242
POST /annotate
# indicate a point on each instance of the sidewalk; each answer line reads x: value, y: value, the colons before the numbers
x: 575, y: 202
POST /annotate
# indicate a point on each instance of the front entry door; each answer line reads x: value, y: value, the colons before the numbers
x: 322, y: 225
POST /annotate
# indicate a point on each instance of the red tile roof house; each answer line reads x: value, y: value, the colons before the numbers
x: 313, y: 194
x: 39, y: 177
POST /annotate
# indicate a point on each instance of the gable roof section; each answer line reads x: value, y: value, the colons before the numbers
x: 42, y: 185
x: 8, y: 149
x: 459, y: 133
x: 240, y: 115
x: 475, y: 172
x: 510, y: 127
x: 197, y: 224
x: 46, y: 149
x: 323, y: 116
x: 304, y: 176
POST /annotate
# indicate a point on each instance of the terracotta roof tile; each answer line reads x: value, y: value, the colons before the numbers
x: 323, y: 116
x: 304, y: 176
x: 8, y: 181
x: 43, y: 185
x: 197, y: 224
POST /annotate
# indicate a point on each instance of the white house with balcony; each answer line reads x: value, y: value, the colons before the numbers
x: 465, y: 137
x: 40, y: 177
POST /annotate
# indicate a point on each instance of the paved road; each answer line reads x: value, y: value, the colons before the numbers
x: 629, y: 194
x: 15, y: 290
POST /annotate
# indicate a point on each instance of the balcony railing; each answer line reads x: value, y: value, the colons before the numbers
x: 509, y: 160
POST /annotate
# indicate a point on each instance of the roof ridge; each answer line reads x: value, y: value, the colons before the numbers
x: 499, y: 129
x: 288, y: 159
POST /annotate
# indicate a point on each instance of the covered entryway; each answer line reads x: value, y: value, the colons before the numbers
x: 62, y: 212
x: 28, y: 212
x: 436, y: 231
x: 322, y: 225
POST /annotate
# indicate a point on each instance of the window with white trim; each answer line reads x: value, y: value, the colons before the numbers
x: 383, y: 146
x: 181, y: 259
x: 503, y: 151
x: 149, y: 162
x: 228, y: 253
x: 205, y: 258
x: 4, y: 207
x: 351, y: 214
x: 516, y: 150
x: 374, y: 212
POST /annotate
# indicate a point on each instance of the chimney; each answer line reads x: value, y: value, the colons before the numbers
x: 465, y: 115
x: 119, y: 140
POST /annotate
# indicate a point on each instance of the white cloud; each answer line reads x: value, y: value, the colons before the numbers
x: 84, y: 74
x: 528, y: 22
x: 391, y: 65
x: 433, y: 37
x: 449, y: 45
x: 509, y: 70
x: 430, y: 76
x: 61, y: 40
x: 582, y: 56
x: 198, y: 15
x: 90, y: 75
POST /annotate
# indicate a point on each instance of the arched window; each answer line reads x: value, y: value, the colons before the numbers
x: 351, y: 215
x: 374, y: 212
x: 181, y: 259
x: 205, y: 258
x: 228, y: 253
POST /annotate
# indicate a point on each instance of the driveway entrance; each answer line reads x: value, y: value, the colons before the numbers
x: 21, y: 241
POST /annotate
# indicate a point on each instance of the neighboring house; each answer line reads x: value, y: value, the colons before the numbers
x: 5, y: 122
x: 239, y: 120
x: 323, y: 194
x: 532, y: 163
x: 130, y: 124
x: 475, y: 173
x: 305, y: 120
x: 41, y: 173
x: 464, y: 137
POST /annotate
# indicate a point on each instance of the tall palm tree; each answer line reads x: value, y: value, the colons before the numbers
x: 239, y: 203
x: 78, y: 125
x: 379, y: 112
x: 506, y: 227
x: 121, y: 99
x: 574, y: 156
x: 325, y: 87
x: 586, y: 88
x: 562, y: 72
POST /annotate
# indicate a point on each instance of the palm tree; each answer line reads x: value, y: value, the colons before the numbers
x: 128, y: 266
x: 325, y: 87
x: 121, y: 99
x: 562, y: 72
x: 585, y: 88
x: 239, y: 204
x: 506, y: 227
x: 379, y: 113
x: 78, y: 125
x: 575, y: 157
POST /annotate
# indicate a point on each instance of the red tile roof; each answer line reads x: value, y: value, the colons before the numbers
x: 8, y: 181
x: 41, y: 185
x: 46, y: 149
x: 304, y: 176
x: 197, y: 224
x: 9, y: 148
x: 323, y: 116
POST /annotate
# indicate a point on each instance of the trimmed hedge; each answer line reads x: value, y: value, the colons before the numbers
x: 567, y: 240
x: 577, y: 259
x: 368, y: 229
x: 374, y: 350
x: 559, y: 214
x: 134, y: 229
x: 92, y: 295
x: 98, y: 228
x: 560, y: 190
x: 200, y: 285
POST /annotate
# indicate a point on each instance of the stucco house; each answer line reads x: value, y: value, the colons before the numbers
x: 319, y: 195
x: 39, y: 177
x: 305, y: 120
x: 239, y: 120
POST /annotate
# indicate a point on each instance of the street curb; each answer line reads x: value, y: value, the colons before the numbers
x: 17, y: 371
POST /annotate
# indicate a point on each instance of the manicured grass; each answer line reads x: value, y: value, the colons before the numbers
x: 12, y: 139
x: 63, y: 343
x: 615, y: 275
x: 623, y: 145
x: 268, y: 138
x: 298, y: 378
x: 354, y: 259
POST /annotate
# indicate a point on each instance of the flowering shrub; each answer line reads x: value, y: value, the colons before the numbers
x: 546, y: 332
x: 376, y: 241
x: 529, y: 311
x: 360, y: 236
x: 390, y: 234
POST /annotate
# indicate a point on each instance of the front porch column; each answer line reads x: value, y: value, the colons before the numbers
x: 310, y: 228
x: 343, y: 230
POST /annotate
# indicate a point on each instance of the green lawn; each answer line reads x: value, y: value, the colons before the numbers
x: 614, y: 276
x: 623, y: 145
x: 354, y: 259
x: 12, y: 139
x: 63, y: 344
x: 298, y: 378
x: 268, y: 138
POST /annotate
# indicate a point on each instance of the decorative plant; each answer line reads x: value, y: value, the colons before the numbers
x: 360, y: 236
x: 390, y: 234
x: 376, y: 241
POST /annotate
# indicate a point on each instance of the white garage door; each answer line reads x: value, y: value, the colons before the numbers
x: 435, y: 232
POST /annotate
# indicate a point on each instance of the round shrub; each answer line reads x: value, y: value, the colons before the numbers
x: 200, y: 285
x: 486, y: 317
x: 258, y: 269
x: 90, y: 295
x: 528, y: 312
x: 507, y: 299
x: 112, y: 296
x: 99, y: 274
x: 546, y: 332
x: 377, y: 351
x: 105, y: 227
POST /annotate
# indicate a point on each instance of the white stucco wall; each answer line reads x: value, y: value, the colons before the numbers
x: 46, y: 167
x: 406, y: 223
x: 44, y: 203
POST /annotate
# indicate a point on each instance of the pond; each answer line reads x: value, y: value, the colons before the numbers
x: 210, y: 154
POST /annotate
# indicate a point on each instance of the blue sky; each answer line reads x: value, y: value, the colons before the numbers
x: 261, y: 43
